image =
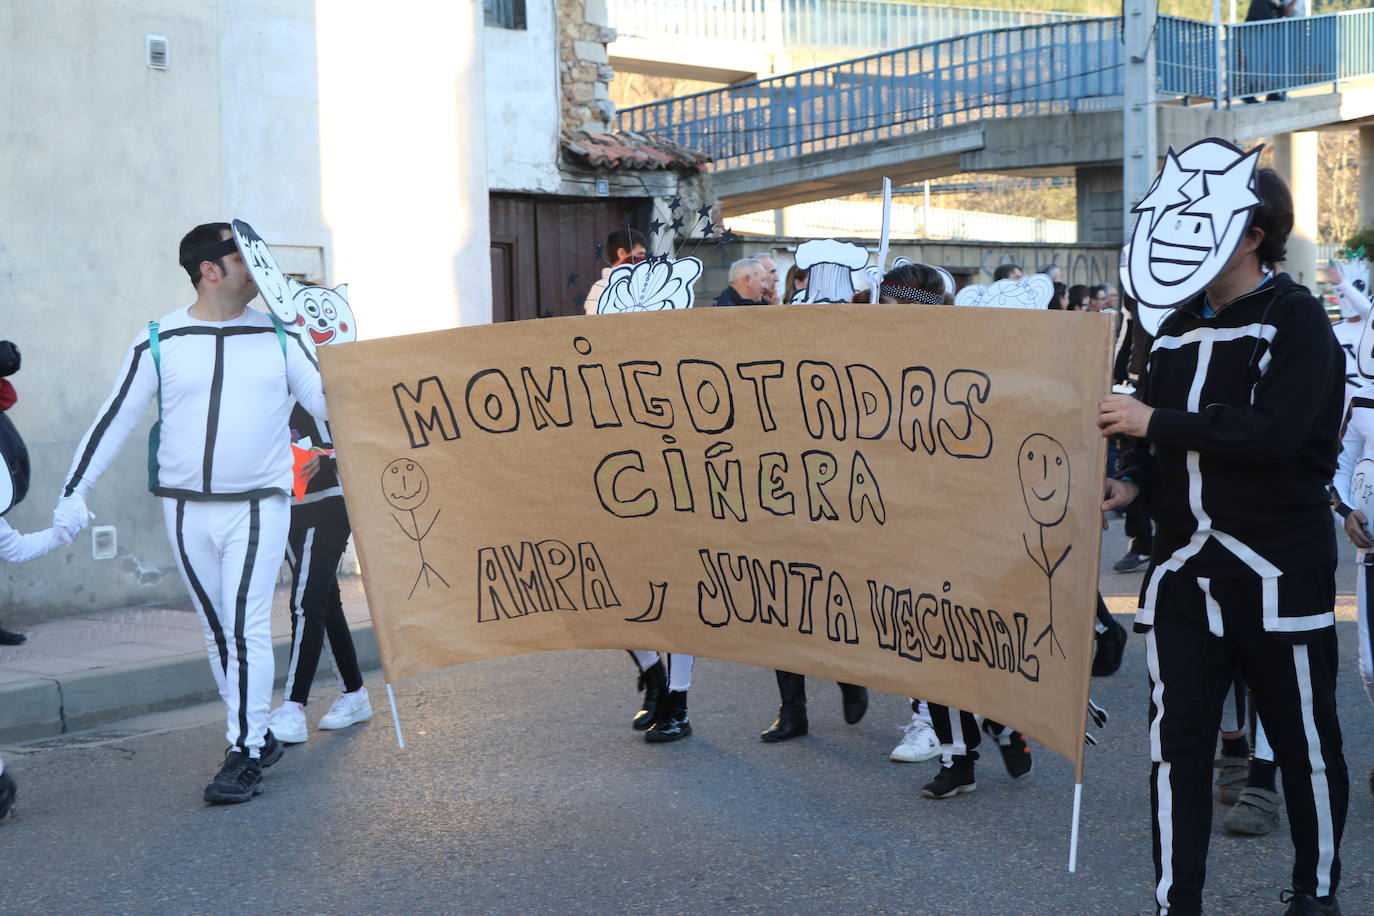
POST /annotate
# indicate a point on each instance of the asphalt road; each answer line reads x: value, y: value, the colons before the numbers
x: 523, y: 790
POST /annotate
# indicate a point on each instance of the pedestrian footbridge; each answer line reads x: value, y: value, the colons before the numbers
x: 1034, y: 99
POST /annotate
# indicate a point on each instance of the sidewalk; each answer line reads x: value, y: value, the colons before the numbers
x: 79, y: 672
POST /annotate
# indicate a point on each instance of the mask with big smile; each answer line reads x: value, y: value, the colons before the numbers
x: 325, y: 315
x: 405, y: 484
x: 1189, y: 225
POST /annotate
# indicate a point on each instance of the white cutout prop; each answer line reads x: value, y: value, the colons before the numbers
x: 1188, y: 226
x: 877, y: 271
x: 653, y: 285
x: 321, y: 311
x: 831, y: 264
x: 1033, y: 291
x: 1352, y: 285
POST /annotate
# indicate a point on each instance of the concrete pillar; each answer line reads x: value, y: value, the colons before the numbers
x: 1100, y: 203
x: 1366, y: 177
x: 1295, y: 158
x: 1139, y: 114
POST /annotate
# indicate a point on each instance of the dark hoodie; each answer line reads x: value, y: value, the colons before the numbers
x: 1251, y: 444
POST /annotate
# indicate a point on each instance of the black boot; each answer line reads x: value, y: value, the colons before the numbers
x: 791, y: 721
x: 1111, y: 646
x: 854, y: 702
x: 653, y: 680
x: 7, y: 793
x: 672, y: 723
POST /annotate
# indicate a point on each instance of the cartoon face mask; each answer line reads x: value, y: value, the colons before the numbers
x: 405, y: 484
x: 1189, y: 225
x: 275, y: 286
x: 1044, y: 469
x: 1354, y: 273
x: 324, y: 313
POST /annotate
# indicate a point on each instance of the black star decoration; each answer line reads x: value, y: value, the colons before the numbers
x: 728, y: 236
x: 572, y: 279
x: 707, y: 231
x: 676, y: 223
x: 676, y: 203
x: 654, y: 226
x: 704, y: 212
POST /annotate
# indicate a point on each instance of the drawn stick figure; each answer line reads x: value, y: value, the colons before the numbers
x: 1043, y: 466
x: 406, y: 486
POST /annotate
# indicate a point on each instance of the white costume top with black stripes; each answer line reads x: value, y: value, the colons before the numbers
x: 227, y: 392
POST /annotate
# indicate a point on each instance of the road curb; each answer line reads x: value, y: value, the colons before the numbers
x: 44, y: 707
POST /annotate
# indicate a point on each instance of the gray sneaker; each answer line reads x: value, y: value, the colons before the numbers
x: 1231, y: 775
x: 1255, y: 813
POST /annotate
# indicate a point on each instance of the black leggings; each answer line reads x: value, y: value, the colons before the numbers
x: 319, y: 534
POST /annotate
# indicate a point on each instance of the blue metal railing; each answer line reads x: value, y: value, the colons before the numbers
x: 1002, y: 73
x: 999, y: 73
x: 809, y: 24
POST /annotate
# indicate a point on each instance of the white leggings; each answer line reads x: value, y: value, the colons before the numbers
x: 679, y: 667
x: 229, y: 554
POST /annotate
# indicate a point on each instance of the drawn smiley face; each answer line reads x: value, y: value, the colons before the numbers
x: 405, y: 484
x: 325, y: 314
x: 1044, y: 468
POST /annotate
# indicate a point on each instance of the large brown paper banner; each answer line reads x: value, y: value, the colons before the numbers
x: 905, y: 497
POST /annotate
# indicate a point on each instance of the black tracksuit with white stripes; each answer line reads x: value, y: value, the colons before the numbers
x: 318, y: 537
x: 1239, y: 450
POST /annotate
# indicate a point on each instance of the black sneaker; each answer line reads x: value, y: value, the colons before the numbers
x: 271, y: 751
x: 1131, y: 562
x: 953, y: 779
x: 237, y: 781
x: 1301, y: 903
x: 1016, y: 755
x: 1111, y: 648
x: 11, y: 638
x: 8, y: 790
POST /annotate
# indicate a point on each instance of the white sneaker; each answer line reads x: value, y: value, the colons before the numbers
x: 348, y: 709
x: 918, y: 743
x: 287, y: 722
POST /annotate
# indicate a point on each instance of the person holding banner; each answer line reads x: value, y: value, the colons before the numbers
x: 1236, y: 420
x: 225, y: 377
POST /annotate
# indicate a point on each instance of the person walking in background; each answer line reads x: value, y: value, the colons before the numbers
x: 770, y: 279
x: 746, y: 280
x: 1008, y: 272
x: 623, y: 246
x: 794, y: 286
x: 314, y: 547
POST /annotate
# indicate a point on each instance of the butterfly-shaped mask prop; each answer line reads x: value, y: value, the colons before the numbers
x: 322, y: 313
x: 1032, y: 291
x: 1188, y: 226
x: 653, y: 285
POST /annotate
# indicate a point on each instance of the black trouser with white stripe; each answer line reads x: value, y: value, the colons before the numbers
x: 958, y: 730
x: 228, y: 554
x: 319, y: 535
x: 1293, y: 688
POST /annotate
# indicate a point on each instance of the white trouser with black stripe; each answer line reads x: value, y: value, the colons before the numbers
x: 229, y: 554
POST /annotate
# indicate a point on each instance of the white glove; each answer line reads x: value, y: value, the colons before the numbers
x: 61, y: 537
x: 71, y: 515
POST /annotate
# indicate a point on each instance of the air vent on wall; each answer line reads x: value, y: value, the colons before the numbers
x: 157, y: 51
x: 104, y: 542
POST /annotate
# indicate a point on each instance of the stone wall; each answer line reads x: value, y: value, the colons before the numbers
x: 584, y: 69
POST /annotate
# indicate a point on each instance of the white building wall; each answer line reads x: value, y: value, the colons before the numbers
x: 523, y: 107
x: 303, y: 118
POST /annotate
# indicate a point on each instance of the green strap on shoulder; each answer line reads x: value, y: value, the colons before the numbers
x: 155, y: 434
x: 281, y: 332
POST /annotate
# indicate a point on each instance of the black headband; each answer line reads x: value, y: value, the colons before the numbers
x: 902, y: 291
x: 210, y: 252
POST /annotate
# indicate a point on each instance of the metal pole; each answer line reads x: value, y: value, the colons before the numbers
x: 1140, y: 134
x: 1221, y: 52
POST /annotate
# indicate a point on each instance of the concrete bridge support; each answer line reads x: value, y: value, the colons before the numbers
x: 1366, y: 177
x: 1100, y: 203
x: 1295, y: 158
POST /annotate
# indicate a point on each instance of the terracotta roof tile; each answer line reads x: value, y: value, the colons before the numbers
x: 625, y: 150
